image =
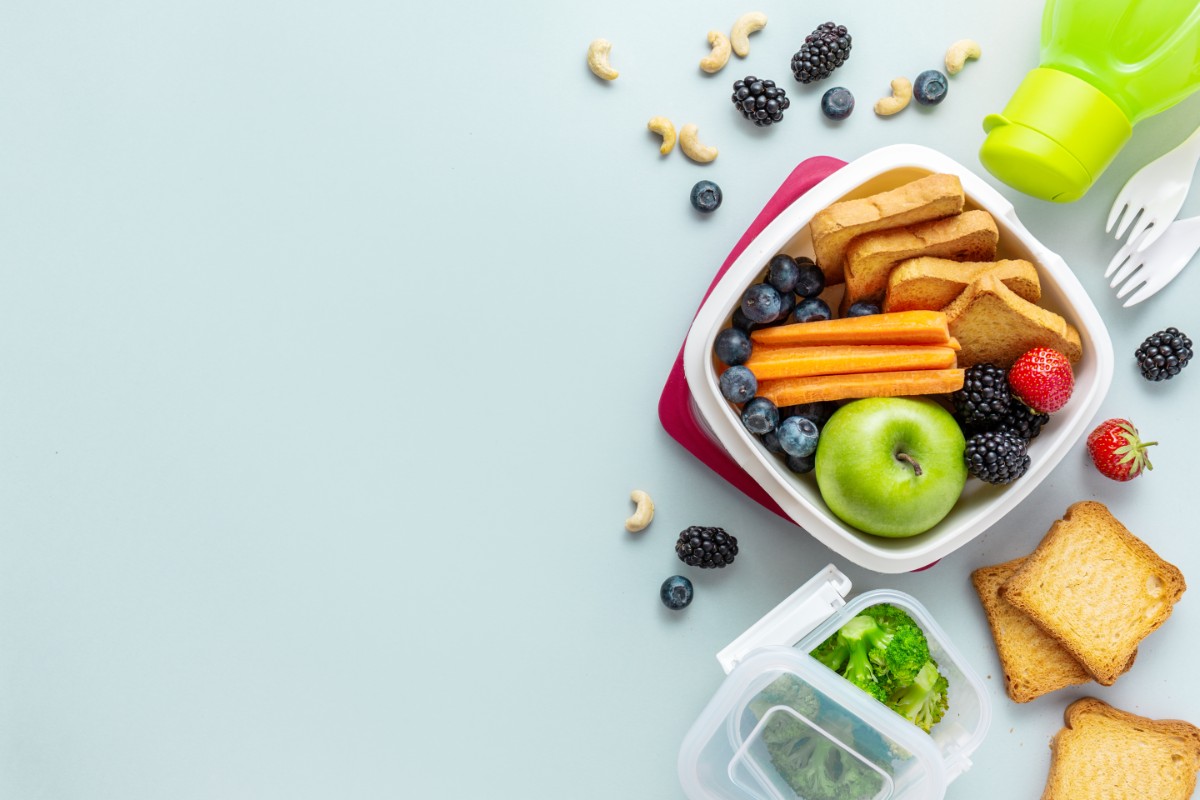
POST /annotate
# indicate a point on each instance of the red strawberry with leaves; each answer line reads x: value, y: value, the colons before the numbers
x: 1042, y: 379
x: 1117, y: 450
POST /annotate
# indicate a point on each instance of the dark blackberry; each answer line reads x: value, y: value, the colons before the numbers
x: 1163, y: 355
x: 996, y: 456
x: 707, y: 548
x: 1023, y: 421
x: 984, y: 398
x: 823, y: 51
x: 760, y: 101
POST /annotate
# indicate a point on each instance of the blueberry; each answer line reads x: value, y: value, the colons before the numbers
x: 782, y: 273
x: 760, y: 416
x: 837, y: 103
x: 706, y: 197
x: 732, y: 346
x: 801, y: 464
x: 738, y: 384
x: 819, y: 412
x: 930, y: 88
x: 786, y: 306
x: 813, y: 309
x: 798, y: 436
x: 761, y: 303
x: 862, y: 309
x: 770, y: 441
x: 811, y: 281
x: 676, y: 592
x: 742, y: 322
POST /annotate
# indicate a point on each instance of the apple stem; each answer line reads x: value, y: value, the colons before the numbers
x: 906, y: 457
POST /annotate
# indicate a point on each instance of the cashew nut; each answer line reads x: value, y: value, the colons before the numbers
x: 663, y: 127
x: 901, y: 94
x: 598, y: 60
x: 643, y: 514
x: 691, y: 147
x: 745, y: 25
x: 719, y: 55
x: 959, y: 52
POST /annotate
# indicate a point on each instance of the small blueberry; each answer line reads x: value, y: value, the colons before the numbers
x: 676, y: 592
x: 813, y: 309
x: 761, y: 303
x: 811, y: 281
x: 760, y: 416
x: 738, y: 384
x: 706, y: 197
x: 837, y: 103
x: 798, y: 436
x: 930, y: 87
x: 862, y: 309
x: 732, y: 346
x: 782, y: 273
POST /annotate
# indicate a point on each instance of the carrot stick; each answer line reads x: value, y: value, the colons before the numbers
x: 899, y: 327
x: 793, y: 391
x: 798, y: 362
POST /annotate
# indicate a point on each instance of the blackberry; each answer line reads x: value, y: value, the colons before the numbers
x: 1023, y: 421
x: 996, y: 456
x: 707, y: 548
x: 823, y: 51
x: 1164, y: 354
x: 984, y: 398
x: 760, y: 101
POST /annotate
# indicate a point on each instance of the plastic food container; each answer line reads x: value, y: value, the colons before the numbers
x: 724, y: 755
x: 981, y: 505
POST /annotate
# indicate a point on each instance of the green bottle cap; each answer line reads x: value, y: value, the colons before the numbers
x: 1055, y: 136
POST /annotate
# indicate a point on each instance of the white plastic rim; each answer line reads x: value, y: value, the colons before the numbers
x: 982, y: 505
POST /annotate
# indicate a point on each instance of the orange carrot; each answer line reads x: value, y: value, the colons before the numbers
x: 793, y: 391
x: 900, y: 327
x: 798, y: 362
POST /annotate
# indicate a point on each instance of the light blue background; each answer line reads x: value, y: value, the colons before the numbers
x: 331, y: 337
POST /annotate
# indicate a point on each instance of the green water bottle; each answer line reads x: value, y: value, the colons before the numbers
x: 1105, y: 66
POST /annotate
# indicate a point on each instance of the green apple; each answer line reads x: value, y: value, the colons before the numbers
x: 891, y: 466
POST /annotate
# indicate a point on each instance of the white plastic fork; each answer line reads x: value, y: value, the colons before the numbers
x: 1149, y: 269
x: 1155, y: 193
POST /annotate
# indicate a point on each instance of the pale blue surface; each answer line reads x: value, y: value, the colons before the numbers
x: 332, y: 339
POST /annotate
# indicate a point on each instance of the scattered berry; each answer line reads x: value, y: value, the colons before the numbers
x: 1042, y: 379
x: 837, y: 103
x: 812, y: 280
x: 787, y: 304
x: 863, y: 309
x: 761, y: 303
x: 738, y: 384
x: 930, y: 88
x: 984, y: 398
x: 798, y: 436
x: 707, y: 548
x: 706, y: 197
x: 744, y: 323
x: 760, y: 416
x: 760, y: 101
x: 782, y: 273
x: 802, y: 465
x: 812, y: 309
x: 1164, y: 354
x: 733, y: 346
x: 1117, y: 450
x: 823, y: 51
x: 770, y: 441
x: 996, y: 456
x: 676, y: 592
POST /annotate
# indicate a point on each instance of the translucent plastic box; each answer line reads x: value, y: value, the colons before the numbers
x: 724, y: 756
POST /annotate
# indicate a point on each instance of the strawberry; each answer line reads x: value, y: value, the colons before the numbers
x: 1117, y: 451
x: 1042, y: 379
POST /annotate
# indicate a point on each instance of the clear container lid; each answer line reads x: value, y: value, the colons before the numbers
x: 780, y: 711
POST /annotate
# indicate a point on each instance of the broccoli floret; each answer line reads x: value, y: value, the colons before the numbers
x: 884, y: 652
x: 924, y: 701
x: 819, y: 769
x: 786, y: 690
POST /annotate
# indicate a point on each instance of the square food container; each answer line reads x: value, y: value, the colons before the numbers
x: 724, y: 755
x: 981, y: 504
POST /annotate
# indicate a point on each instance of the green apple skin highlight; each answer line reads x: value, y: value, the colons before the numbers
x: 865, y: 469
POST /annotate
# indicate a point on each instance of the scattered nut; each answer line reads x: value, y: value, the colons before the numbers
x: 959, y: 52
x: 719, y: 55
x: 901, y: 94
x: 691, y: 147
x: 644, y: 513
x: 663, y: 127
x: 597, y: 59
x: 745, y: 25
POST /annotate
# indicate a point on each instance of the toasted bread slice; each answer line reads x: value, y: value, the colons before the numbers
x: 1096, y: 588
x: 871, y: 257
x: 1104, y: 752
x: 1034, y: 663
x: 996, y: 326
x: 932, y: 197
x: 934, y: 283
